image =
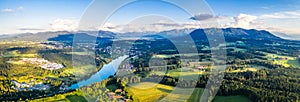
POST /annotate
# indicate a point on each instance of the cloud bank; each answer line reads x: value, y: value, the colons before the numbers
x: 203, y: 17
x: 64, y: 25
x: 10, y: 10
x: 7, y: 10
x: 247, y: 21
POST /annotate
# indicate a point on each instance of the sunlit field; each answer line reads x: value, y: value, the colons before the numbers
x: 155, y: 92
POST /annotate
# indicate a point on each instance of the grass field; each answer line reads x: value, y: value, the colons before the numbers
x: 294, y: 63
x: 13, y: 54
x: 81, y: 70
x: 186, y: 74
x: 245, y: 70
x: 179, y: 73
x: 271, y: 56
x: 15, y: 62
x: 282, y: 62
x: 162, y: 56
x: 67, y: 97
x: 143, y: 93
x: 78, y: 53
x: 279, y: 59
x: 184, y: 95
x: 231, y: 99
x: 153, y: 92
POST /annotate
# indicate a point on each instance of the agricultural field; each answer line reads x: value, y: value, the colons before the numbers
x: 21, y: 55
x: 244, y: 70
x: 185, y: 73
x: 81, y: 70
x: 75, y: 96
x: 152, y: 92
x: 279, y: 59
x: 77, y: 53
x: 142, y: 92
x: 294, y: 63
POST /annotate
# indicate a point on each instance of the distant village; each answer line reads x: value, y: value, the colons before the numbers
x: 43, y: 63
x: 117, y: 95
x: 25, y: 86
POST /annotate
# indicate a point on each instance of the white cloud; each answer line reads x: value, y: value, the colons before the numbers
x: 8, y: 10
x: 282, y: 15
x: 205, y: 17
x: 155, y: 26
x: 135, y: 27
x: 30, y: 29
x: 108, y: 27
x: 266, y: 7
x: 285, y: 22
x: 64, y: 24
x: 201, y: 17
x: 240, y: 21
x: 245, y: 21
x: 21, y: 8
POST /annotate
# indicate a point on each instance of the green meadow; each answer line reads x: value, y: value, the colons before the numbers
x: 185, y: 73
x: 294, y: 63
x: 153, y: 92
x: 75, y: 96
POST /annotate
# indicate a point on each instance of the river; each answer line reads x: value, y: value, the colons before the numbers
x: 106, y: 71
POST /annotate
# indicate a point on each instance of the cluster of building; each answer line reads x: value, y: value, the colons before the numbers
x: 200, y: 66
x: 117, y: 95
x: 63, y: 87
x: 126, y: 65
x: 43, y: 63
x: 27, y: 87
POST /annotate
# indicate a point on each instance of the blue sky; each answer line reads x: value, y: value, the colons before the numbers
x: 21, y: 16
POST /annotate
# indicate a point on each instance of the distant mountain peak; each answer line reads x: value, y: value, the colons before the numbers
x: 237, y: 33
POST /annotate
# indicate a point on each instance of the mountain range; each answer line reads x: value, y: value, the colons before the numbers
x: 195, y: 33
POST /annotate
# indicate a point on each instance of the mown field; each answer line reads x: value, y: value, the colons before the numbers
x: 153, y: 92
x: 243, y: 70
x: 294, y: 63
x: 76, y: 96
x: 185, y: 74
x: 279, y: 59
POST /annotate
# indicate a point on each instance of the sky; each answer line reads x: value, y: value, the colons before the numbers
x: 22, y: 16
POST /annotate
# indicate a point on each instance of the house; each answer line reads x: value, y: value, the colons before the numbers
x: 200, y: 64
x: 17, y: 84
x: 119, y: 90
x: 23, y: 85
x: 118, y: 97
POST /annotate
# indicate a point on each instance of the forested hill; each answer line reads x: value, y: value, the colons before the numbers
x: 239, y: 33
x: 45, y: 36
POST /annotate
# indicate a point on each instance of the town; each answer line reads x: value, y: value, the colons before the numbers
x: 24, y: 86
x: 42, y: 63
